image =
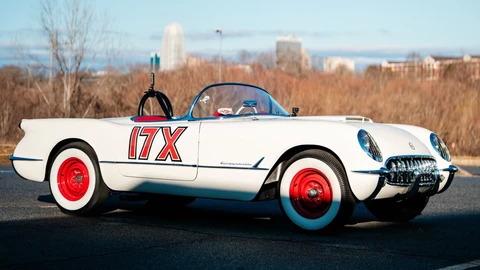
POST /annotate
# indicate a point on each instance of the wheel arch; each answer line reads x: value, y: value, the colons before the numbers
x: 268, y: 191
x: 57, y: 147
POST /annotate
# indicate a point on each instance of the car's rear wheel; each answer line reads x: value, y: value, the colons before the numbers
x: 75, y: 180
x: 397, y: 210
x: 314, y: 192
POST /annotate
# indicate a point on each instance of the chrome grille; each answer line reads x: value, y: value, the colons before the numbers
x: 404, y: 169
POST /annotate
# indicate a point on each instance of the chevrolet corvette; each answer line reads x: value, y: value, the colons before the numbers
x: 237, y: 143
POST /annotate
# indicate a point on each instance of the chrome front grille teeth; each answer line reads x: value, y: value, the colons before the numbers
x: 404, y: 171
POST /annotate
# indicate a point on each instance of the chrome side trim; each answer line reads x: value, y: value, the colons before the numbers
x: 146, y: 163
x: 13, y: 158
x: 183, y: 165
x: 258, y: 163
x: 233, y: 168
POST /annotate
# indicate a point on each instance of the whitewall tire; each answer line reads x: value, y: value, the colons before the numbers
x: 75, y: 180
x: 314, y: 192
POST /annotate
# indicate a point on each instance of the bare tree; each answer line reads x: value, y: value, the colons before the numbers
x: 266, y: 60
x: 75, y: 36
x: 413, y: 57
x: 245, y: 57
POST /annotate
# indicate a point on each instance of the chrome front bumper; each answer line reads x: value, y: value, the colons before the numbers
x: 415, y: 180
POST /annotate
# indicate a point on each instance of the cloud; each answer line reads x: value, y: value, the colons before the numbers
x: 227, y: 34
x: 384, y: 31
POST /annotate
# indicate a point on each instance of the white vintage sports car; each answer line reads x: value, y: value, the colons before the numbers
x: 236, y: 142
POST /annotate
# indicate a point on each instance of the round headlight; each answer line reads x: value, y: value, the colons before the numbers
x: 440, y: 147
x: 369, y: 145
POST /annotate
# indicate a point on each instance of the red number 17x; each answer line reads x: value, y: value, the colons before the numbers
x: 169, y: 149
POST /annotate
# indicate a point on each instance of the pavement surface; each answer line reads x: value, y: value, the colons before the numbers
x: 211, y: 234
x: 475, y: 171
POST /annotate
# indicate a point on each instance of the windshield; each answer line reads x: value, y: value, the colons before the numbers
x: 235, y: 99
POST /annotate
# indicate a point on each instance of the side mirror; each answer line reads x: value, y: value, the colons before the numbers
x: 295, y: 111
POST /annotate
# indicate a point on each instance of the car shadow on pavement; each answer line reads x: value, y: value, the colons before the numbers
x: 225, y: 217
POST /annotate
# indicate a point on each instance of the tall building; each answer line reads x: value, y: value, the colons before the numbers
x: 289, y: 53
x: 338, y: 64
x: 173, y: 47
x: 154, y: 61
x: 306, y: 61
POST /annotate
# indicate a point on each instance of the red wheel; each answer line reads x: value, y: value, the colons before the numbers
x: 73, y: 179
x: 314, y: 192
x: 310, y: 193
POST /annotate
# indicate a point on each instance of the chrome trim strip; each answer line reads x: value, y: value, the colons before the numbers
x: 147, y: 163
x: 182, y: 165
x: 14, y: 158
x: 381, y: 171
x: 233, y: 168
x: 258, y: 163
x: 189, y: 115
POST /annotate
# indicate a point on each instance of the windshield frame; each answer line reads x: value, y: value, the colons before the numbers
x: 189, y: 115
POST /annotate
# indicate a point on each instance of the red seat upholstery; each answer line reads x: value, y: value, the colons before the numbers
x: 149, y: 118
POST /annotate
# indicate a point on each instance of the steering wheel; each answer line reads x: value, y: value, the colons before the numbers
x: 243, y: 107
x: 162, y: 99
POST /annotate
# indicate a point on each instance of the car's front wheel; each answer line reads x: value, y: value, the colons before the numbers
x: 314, y: 192
x: 75, y: 180
x: 397, y: 210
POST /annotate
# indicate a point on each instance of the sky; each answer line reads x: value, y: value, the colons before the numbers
x: 368, y: 31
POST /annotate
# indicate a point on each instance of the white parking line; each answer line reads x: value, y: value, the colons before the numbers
x: 462, y: 266
x: 463, y: 172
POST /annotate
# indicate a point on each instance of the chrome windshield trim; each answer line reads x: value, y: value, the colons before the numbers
x: 190, y: 110
x: 189, y: 115
x: 14, y: 158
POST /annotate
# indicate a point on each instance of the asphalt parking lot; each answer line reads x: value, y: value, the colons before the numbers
x: 212, y: 234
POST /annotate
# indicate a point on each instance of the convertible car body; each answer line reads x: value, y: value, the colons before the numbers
x: 236, y: 142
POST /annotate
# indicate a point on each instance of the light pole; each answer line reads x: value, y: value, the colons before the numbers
x: 219, y: 31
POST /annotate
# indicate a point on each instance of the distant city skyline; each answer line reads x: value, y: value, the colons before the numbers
x: 172, y: 53
x: 366, y: 31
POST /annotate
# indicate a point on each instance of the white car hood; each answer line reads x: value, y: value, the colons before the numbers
x: 391, y: 140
